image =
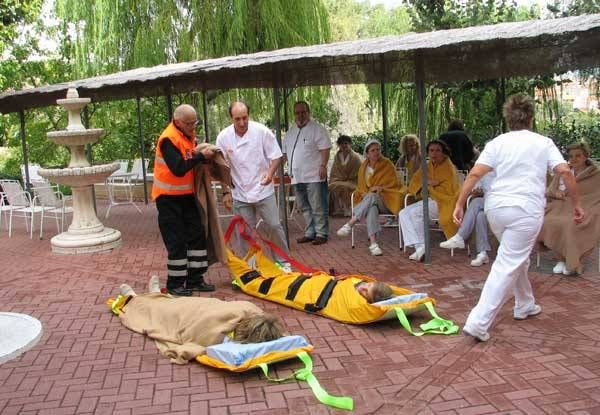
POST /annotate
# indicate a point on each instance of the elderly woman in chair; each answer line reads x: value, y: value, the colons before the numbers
x: 343, y: 177
x: 568, y: 240
x: 443, y: 192
x: 379, y: 191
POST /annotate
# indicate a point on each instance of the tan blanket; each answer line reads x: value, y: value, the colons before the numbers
x: 183, y: 327
x: 342, y: 182
x: 560, y: 234
x: 203, y: 175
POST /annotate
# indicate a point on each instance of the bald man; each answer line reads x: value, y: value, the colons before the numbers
x: 254, y: 156
x: 179, y: 219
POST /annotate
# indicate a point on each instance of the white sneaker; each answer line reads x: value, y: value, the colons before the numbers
x: 154, y: 284
x: 344, y: 230
x: 286, y: 267
x: 418, y: 254
x: 126, y: 290
x: 481, y: 337
x: 559, y: 268
x: 375, y: 249
x: 534, y: 310
x: 456, y: 242
x: 480, y: 259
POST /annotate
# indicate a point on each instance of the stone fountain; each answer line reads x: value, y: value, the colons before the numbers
x: 86, y: 233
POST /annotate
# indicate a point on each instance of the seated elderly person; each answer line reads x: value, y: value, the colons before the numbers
x: 410, y: 155
x: 474, y: 220
x: 568, y: 240
x: 182, y: 327
x: 343, y: 177
x: 379, y: 191
x: 443, y: 193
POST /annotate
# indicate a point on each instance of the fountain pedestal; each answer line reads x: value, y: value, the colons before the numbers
x: 86, y: 233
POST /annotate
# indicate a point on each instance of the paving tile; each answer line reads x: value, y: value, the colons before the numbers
x: 87, y: 362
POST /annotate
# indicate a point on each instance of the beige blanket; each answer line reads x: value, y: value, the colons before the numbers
x: 342, y: 182
x: 183, y: 327
x: 560, y: 234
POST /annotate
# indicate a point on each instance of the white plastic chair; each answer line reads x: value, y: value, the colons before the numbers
x: 21, y: 204
x: 53, y: 203
x: 385, y: 216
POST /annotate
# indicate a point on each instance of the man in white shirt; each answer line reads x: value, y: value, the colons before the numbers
x: 306, y: 148
x: 253, y: 156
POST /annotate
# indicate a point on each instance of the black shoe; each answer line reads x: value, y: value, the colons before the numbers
x: 180, y: 291
x: 201, y: 286
x: 304, y: 239
x: 319, y: 241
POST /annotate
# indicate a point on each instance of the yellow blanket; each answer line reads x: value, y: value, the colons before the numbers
x: 445, y: 193
x: 384, y: 175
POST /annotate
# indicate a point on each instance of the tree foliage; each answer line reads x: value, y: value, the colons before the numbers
x: 15, y: 13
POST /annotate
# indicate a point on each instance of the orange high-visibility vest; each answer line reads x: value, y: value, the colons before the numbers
x: 165, y: 182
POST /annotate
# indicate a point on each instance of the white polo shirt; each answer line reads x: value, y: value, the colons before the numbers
x: 520, y: 160
x: 249, y: 158
x: 301, y: 146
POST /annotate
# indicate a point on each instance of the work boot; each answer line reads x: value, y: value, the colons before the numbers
x: 200, y: 285
x: 176, y: 286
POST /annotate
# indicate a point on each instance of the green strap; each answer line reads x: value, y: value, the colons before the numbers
x: 235, y: 284
x: 341, y: 402
x: 436, y: 325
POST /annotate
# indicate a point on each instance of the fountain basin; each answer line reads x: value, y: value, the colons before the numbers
x: 74, y: 243
x: 75, y: 137
x: 79, y: 176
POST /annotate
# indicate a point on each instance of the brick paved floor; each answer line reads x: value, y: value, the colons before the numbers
x: 87, y: 362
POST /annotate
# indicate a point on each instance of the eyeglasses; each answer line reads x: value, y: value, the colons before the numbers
x: 300, y: 112
x: 191, y: 123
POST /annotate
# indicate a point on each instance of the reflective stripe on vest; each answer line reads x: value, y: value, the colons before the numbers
x: 167, y: 186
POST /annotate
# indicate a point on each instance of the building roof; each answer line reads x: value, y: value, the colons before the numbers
x: 481, y: 52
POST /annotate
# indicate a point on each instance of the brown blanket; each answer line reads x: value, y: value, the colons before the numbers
x: 183, y: 327
x: 560, y: 234
x: 342, y: 182
x: 203, y: 175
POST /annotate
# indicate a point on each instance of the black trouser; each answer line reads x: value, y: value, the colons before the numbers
x: 181, y: 228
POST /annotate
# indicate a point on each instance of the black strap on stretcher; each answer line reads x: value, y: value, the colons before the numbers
x: 323, y: 298
x: 295, y: 287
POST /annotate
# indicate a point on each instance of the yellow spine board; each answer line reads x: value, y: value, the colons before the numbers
x: 268, y: 358
x: 294, y: 290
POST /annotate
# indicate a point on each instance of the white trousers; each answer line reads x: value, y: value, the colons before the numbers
x: 517, y: 232
x: 411, y: 222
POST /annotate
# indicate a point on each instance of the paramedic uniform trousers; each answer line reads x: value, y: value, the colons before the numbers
x: 517, y: 231
x: 181, y: 228
x: 411, y: 222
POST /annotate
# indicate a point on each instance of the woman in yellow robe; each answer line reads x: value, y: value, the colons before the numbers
x: 443, y: 193
x: 410, y: 155
x: 379, y: 191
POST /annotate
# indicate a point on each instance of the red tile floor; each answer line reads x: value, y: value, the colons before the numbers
x: 86, y: 362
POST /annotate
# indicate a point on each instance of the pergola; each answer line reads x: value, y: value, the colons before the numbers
x: 483, y: 52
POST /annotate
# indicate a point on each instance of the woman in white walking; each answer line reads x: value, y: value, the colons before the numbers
x: 514, y: 207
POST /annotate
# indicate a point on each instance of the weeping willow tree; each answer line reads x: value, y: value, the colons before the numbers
x: 117, y: 35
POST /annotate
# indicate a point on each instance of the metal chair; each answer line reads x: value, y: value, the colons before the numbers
x: 53, y: 203
x: 385, y: 216
x: 21, y: 204
x: 120, y: 183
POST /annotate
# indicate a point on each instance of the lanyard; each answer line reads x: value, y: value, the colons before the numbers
x: 294, y: 149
